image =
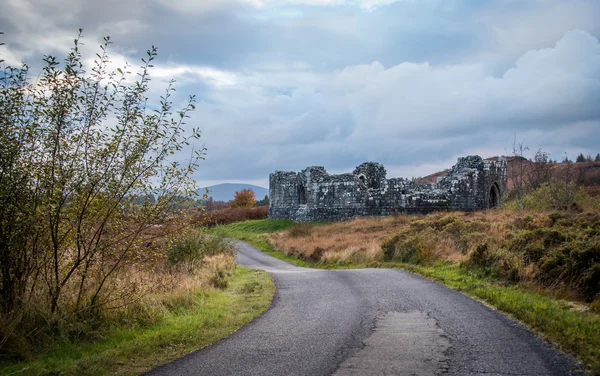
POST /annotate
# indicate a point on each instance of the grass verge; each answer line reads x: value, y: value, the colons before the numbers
x: 573, y: 331
x: 253, y: 232
x: 213, y: 315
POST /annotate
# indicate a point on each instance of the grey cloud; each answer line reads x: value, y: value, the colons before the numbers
x: 404, y: 84
x: 422, y: 113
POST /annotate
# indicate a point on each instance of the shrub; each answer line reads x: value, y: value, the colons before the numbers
x: 498, y: 263
x: 190, y: 250
x: 229, y: 215
x: 444, y: 221
x: 560, y: 250
x: 317, y: 255
x: 590, y: 281
x: 219, y: 279
x: 558, y: 195
x: 80, y: 144
x: 411, y: 247
x: 480, y: 256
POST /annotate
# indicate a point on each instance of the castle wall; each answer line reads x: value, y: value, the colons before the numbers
x: 314, y: 195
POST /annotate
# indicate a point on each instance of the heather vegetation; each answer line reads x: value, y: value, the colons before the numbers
x: 228, y: 215
x: 557, y: 251
x: 242, y: 207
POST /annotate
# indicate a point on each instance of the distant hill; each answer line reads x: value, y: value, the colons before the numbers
x: 226, y: 191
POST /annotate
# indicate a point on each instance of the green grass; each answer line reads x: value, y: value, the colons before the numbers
x: 254, y: 232
x: 255, y: 227
x: 215, y: 314
x: 575, y: 332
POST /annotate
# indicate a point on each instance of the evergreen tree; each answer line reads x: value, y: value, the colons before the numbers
x: 597, y: 159
x: 263, y: 202
x: 580, y: 158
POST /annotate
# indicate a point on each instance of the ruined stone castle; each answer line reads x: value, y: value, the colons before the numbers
x: 314, y: 195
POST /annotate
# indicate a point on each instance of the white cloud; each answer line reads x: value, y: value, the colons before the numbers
x: 546, y: 88
x: 516, y: 27
x: 204, y: 6
x: 10, y: 58
x: 188, y: 73
x: 365, y: 4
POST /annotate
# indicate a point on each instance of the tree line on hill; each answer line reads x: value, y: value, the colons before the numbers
x: 560, y: 183
x: 242, y: 198
x: 582, y: 158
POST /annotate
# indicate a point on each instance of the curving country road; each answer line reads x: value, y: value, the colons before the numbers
x: 370, y: 322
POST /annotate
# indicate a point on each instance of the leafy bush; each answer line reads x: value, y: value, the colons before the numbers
x: 190, y: 250
x: 557, y: 195
x: 79, y: 145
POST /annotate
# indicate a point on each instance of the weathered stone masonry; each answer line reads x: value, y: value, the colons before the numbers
x: 314, y: 195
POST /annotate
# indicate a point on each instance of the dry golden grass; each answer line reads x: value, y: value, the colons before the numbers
x: 168, y: 291
x: 144, y: 295
x: 360, y: 240
x: 140, y: 292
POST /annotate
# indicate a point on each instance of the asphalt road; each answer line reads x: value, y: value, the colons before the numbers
x: 370, y: 322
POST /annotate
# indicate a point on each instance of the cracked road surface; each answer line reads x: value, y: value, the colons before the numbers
x: 370, y: 322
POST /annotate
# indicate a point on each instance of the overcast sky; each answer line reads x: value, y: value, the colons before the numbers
x: 412, y: 84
